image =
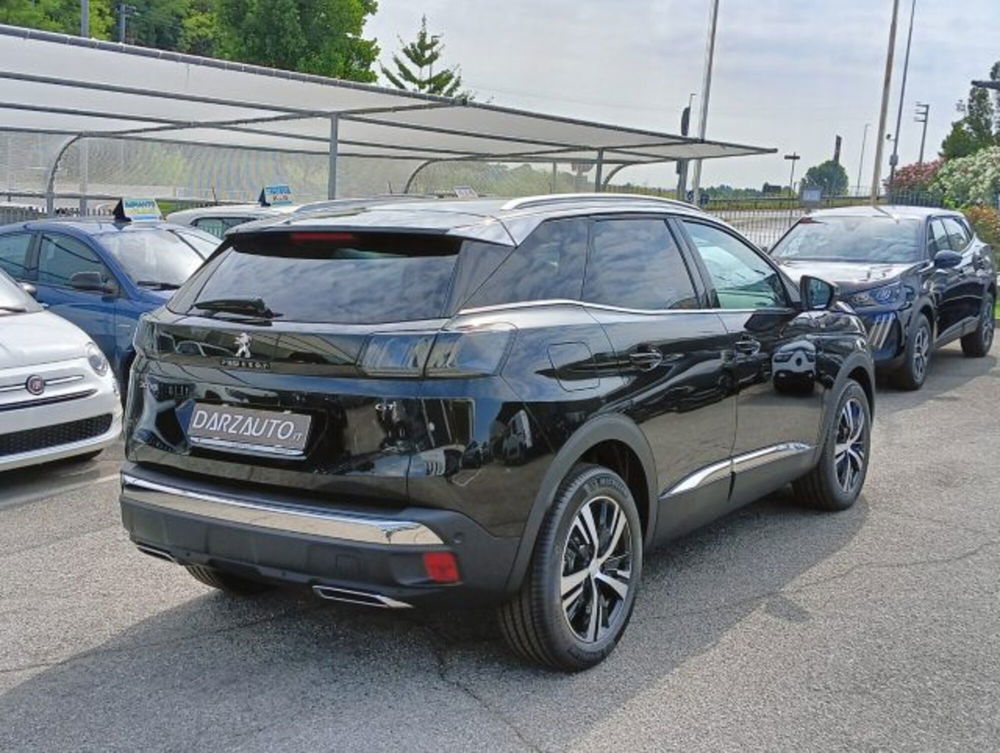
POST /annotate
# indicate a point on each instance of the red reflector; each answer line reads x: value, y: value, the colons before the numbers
x: 323, y: 237
x: 441, y: 567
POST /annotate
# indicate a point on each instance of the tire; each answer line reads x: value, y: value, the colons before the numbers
x: 535, y: 623
x: 978, y: 343
x: 231, y: 584
x: 919, y: 343
x: 837, y: 479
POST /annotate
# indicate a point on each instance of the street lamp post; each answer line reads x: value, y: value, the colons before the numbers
x: 706, y: 87
x: 894, y: 159
x: 793, y: 158
x: 923, y: 115
x: 884, y: 111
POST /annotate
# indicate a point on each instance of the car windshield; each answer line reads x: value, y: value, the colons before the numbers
x: 153, y: 257
x: 13, y: 299
x: 858, y: 239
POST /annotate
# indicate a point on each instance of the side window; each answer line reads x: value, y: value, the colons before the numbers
x: 60, y: 257
x: 548, y: 265
x: 937, y: 238
x: 214, y: 225
x: 958, y: 236
x: 636, y: 264
x: 742, y: 279
x: 14, y: 254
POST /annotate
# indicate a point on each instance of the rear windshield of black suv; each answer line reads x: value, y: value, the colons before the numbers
x: 343, y: 277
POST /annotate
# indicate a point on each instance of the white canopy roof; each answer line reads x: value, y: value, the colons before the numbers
x: 53, y: 83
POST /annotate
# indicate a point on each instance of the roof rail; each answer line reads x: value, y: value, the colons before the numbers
x: 566, y: 198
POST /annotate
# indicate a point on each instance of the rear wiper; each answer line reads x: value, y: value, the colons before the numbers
x: 247, y: 306
x: 157, y: 285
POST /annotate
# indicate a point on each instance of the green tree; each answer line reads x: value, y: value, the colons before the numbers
x: 830, y: 176
x: 312, y: 36
x: 58, y: 15
x: 416, y: 73
x: 979, y: 129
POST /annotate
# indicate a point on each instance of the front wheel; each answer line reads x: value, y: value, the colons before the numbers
x: 913, y: 372
x: 836, y: 481
x: 577, y: 597
x: 977, y: 344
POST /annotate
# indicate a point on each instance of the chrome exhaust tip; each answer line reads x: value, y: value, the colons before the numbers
x: 153, y: 551
x: 364, y: 598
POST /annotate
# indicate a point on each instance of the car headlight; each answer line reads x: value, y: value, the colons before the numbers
x: 883, y: 296
x: 97, y: 360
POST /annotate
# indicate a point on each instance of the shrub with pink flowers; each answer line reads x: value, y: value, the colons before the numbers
x: 916, y: 177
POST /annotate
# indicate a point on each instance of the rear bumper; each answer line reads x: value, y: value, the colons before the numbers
x: 282, y: 539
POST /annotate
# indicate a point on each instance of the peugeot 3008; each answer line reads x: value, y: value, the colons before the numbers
x: 484, y: 402
x: 919, y: 278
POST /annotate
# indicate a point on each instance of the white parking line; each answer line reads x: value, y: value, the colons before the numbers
x: 24, y: 499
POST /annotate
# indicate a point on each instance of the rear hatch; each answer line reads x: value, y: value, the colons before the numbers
x: 297, y: 360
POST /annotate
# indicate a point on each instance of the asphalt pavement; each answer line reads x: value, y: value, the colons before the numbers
x: 776, y: 629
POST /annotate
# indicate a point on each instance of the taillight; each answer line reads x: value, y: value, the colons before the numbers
x: 454, y: 353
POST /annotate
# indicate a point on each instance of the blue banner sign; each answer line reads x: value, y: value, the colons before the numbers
x: 137, y: 209
x: 276, y: 196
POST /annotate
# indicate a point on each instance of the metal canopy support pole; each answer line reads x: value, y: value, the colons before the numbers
x: 706, y: 90
x: 552, y: 188
x: 331, y: 183
x: 598, y: 182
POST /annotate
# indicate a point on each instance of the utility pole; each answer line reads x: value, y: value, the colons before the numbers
x: 793, y: 158
x: 894, y: 159
x: 706, y: 89
x: 85, y: 18
x: 125, y: 11
x: 861, y: 162
x: 923, y: 115
x: 884, y: 111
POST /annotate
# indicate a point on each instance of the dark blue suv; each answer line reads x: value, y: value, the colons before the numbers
x: 102, y: 274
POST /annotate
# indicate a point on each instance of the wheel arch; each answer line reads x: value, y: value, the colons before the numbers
x: 612, y: 440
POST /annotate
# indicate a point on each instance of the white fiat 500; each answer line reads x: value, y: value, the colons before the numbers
x: 58, y: 398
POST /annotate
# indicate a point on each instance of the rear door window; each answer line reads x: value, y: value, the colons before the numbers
x: 332, y: 277
x: 548, y: 265
x: 14, y: 254
x: 636, y: 264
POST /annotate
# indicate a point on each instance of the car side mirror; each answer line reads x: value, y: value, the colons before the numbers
x: 947, y: 259
x: 817, y: 294
x: 30, y: 289
x: 92, y: 282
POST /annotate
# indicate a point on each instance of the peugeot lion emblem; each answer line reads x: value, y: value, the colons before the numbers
x: 243, y: 345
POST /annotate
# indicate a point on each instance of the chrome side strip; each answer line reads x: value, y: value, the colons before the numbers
x: 601, y: 306
x: 736, y: 464
x: 280, y: 517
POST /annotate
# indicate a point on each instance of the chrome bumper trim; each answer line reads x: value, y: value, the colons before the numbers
x: 279, y: 517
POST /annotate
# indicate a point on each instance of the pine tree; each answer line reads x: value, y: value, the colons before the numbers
x: 416, y: 73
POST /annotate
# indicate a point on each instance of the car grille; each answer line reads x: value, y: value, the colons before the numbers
x: 53, y: 436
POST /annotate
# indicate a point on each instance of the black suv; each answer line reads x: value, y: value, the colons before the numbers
x: 484, y: 402
x: 919, y: 278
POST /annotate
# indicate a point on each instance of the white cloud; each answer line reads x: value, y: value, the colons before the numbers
x: 788, y: 74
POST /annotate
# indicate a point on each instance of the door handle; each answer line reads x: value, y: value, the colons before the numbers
x: 646, y: 360
x: 749, y: 346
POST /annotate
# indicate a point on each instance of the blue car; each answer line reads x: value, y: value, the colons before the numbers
x: 102, y: 274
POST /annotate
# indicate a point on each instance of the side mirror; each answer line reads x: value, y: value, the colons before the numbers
x: 817, y: 294
x: 946, y: 259
x: 92, y: 282
x: 30, y: 289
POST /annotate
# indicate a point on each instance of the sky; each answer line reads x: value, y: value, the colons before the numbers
x: 789, y: 74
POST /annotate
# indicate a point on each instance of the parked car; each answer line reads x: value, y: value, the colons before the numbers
x: 919, y: 278
x: 102, y: 274
x: 58, y: 398
x: 483, y: 402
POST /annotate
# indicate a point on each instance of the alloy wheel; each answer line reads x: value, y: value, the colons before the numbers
x: 921, y: 352
x: 850, y: 447
x: 597, y: 569
x: 988, y: 323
